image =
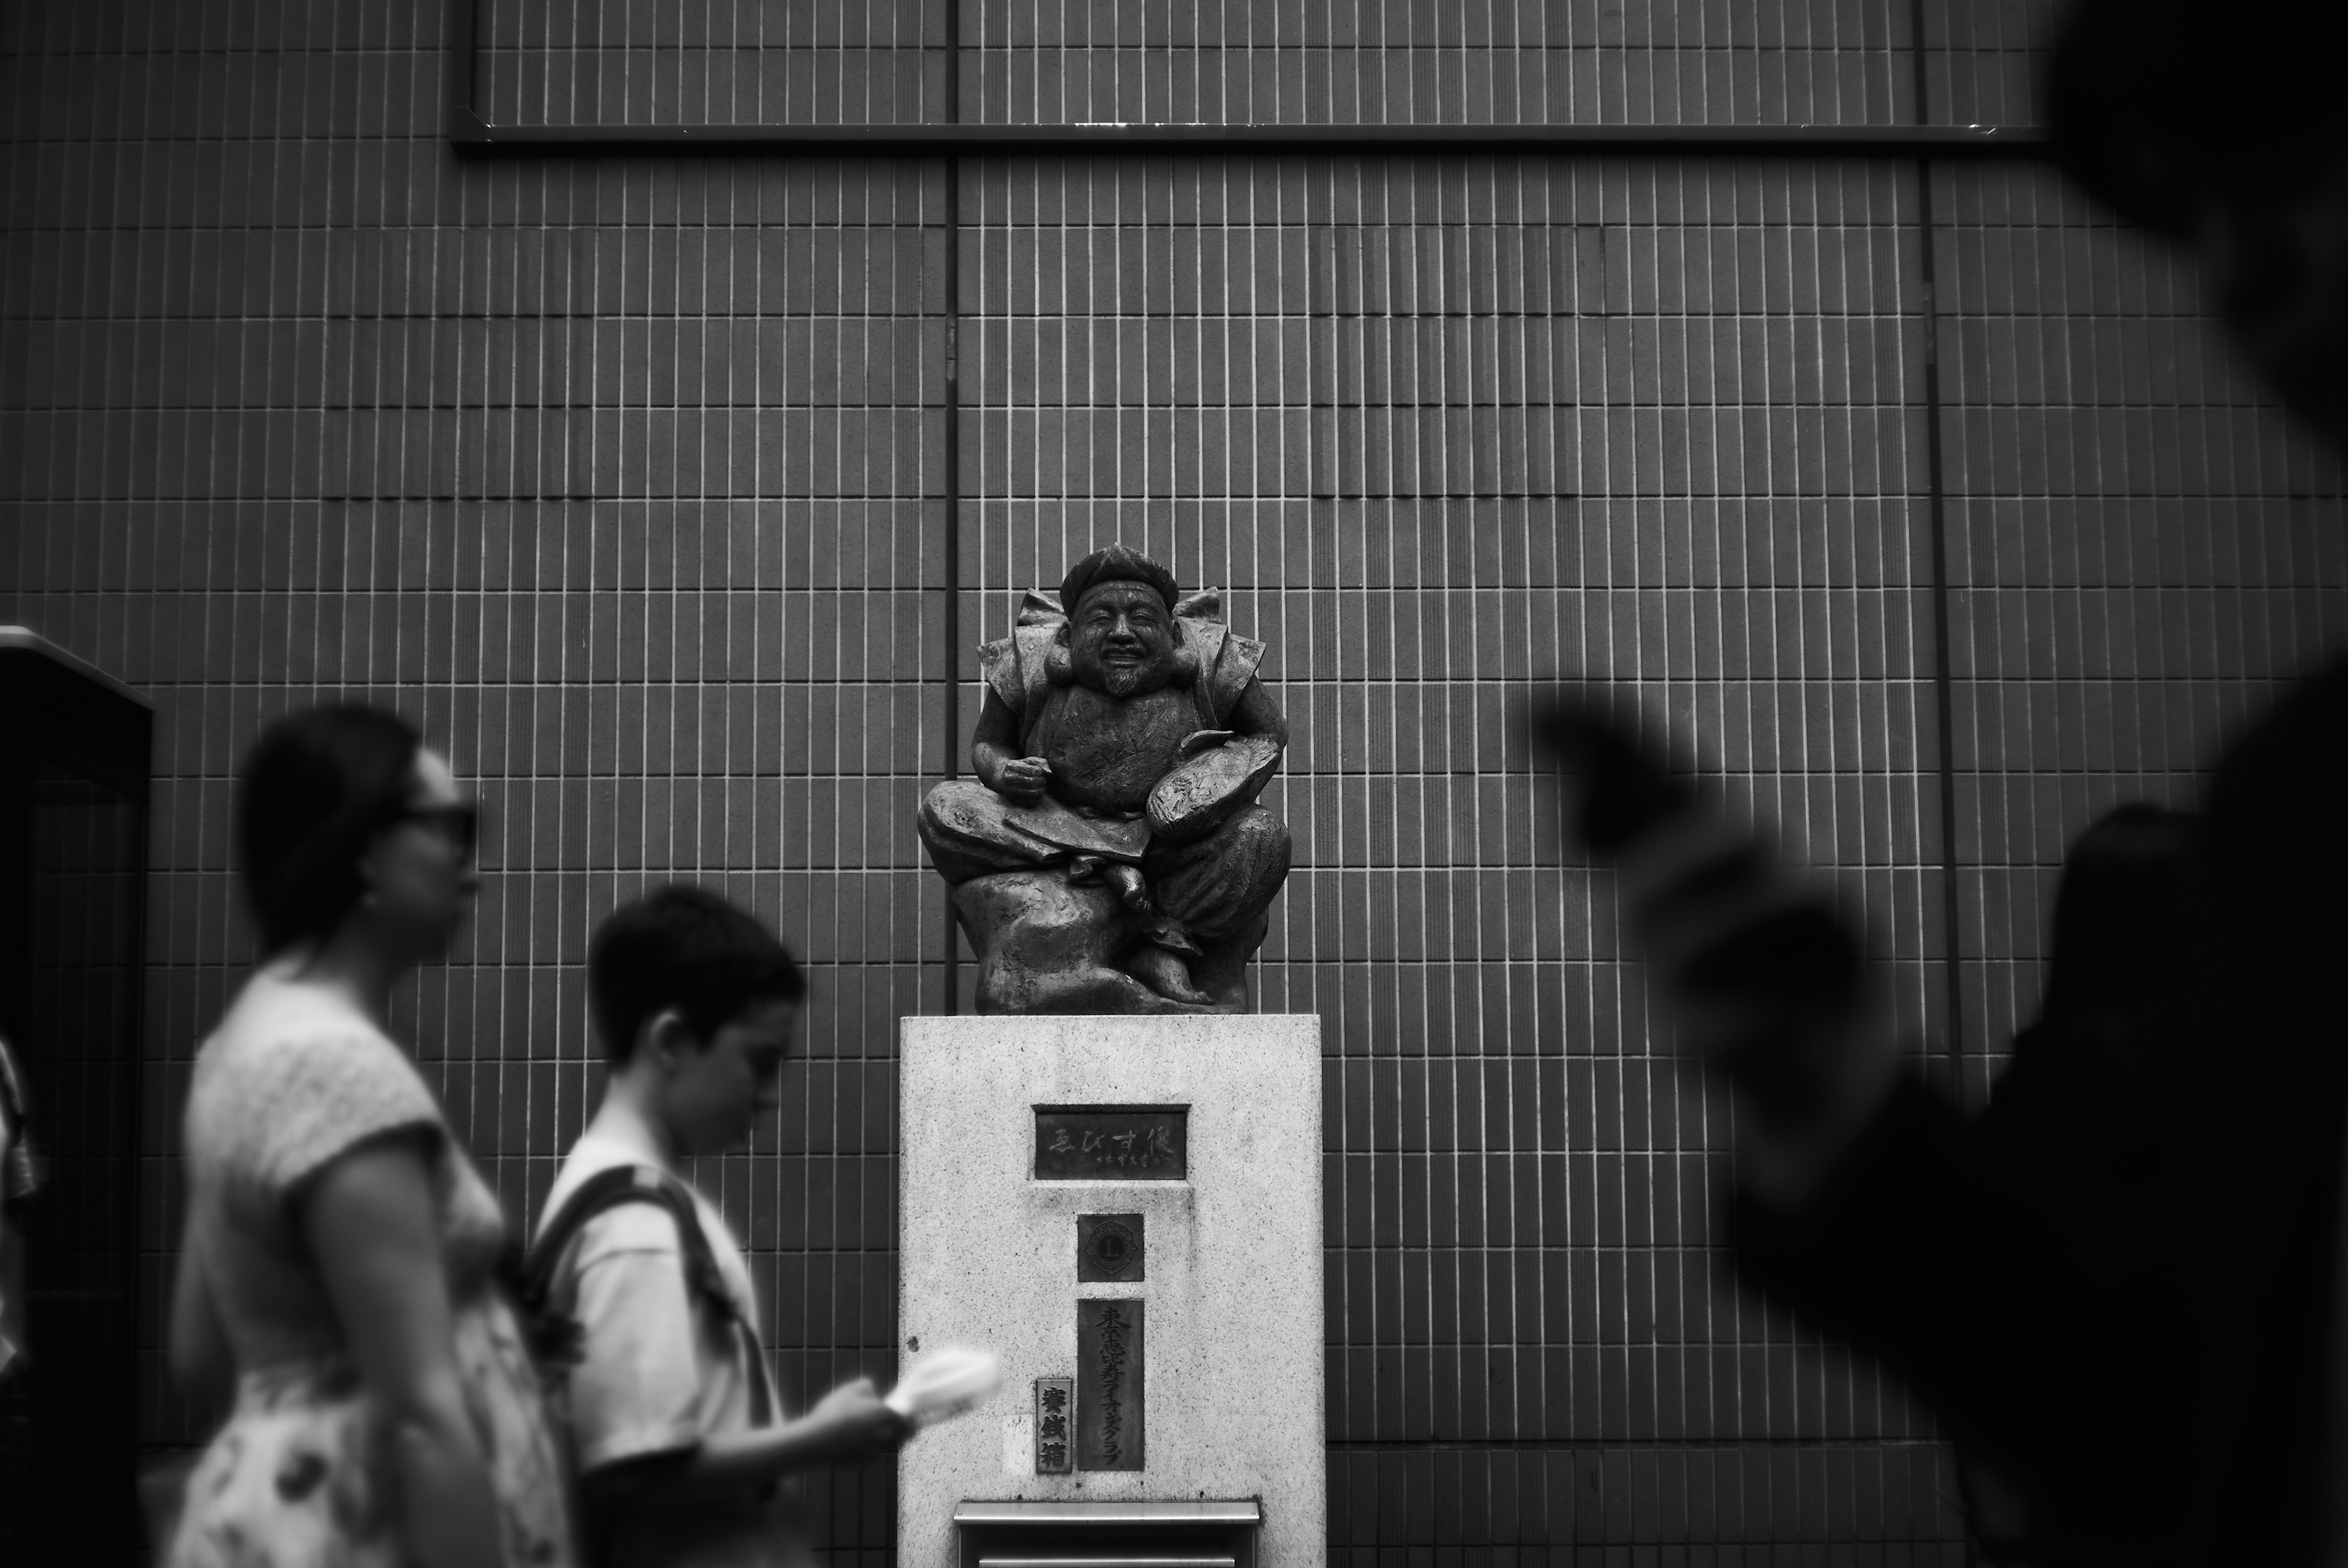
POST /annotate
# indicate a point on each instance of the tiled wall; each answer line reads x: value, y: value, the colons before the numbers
x: 1289, y: 62
x: 2137, y: 551
x: 627, y: 476
x: 715, y: 62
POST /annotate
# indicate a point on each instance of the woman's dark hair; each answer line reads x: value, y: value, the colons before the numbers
x: 2119, y: 914
x: 688, y: 948
x: 316, y: 788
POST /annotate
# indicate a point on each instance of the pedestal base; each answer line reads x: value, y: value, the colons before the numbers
x: 1046, y: 945
x: 1181, y: 1184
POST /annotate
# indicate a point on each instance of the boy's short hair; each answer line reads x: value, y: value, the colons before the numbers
x: 688, y: 948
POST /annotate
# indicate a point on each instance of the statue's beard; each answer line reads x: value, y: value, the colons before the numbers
x: 1122, y: 679
x: 1125, y: 680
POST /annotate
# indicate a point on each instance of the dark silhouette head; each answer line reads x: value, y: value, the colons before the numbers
x: 2119, y: 915
x: 2227, y: 127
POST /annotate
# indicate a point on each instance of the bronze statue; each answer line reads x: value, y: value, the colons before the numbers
x: 1110, y: 857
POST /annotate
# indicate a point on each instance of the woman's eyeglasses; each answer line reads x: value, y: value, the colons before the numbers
x: 459, y: 824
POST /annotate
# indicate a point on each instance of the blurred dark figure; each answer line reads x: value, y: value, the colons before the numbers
x: 1984, y: 1258
x: 2120, y: 916
x: 20, y: 1178
x: 2065, y: 1109
x: 2118, y: 910
x: 2123, y: 1289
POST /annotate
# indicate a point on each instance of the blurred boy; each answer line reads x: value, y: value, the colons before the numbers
x: 677, y: 1431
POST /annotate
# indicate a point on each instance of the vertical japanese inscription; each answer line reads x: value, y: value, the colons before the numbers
x: 1108, y: 1384
x: 1055, y: 1400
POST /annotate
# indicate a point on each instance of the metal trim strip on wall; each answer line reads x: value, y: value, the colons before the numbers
x: 469, y: 132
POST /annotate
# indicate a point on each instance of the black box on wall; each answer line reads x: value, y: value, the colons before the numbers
x: 73, y: 870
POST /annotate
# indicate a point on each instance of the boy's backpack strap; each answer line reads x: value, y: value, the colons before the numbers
x: 609, y: 1189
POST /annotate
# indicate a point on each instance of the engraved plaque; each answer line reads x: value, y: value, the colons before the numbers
x: 1108, y: 1384
x: 1056, y: 1415
x: 1112, y: 1142
x: 1109, y: 1248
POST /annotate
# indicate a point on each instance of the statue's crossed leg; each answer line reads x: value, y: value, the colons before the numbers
x: 1048, y: 943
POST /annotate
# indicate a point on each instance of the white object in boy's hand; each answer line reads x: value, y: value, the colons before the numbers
x: 945, y: 1383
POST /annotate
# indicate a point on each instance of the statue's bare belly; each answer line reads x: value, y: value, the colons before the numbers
x: 1108, y: 753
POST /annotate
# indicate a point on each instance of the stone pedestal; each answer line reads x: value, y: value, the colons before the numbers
x: 1175, y: 1231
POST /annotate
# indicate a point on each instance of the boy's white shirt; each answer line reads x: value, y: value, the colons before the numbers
x: 659, y: 1371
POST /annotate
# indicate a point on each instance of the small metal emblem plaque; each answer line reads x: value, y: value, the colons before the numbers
x: 1108, y: 1384
x: 1109, y: 1248
x: 1112, y: 1142
x: 1056, y: 1416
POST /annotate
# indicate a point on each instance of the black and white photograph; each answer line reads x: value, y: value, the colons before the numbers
x: 1173, y: 784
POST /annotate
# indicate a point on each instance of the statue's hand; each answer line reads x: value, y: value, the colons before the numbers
x: 1201, y: 740
x: 1021, y: 779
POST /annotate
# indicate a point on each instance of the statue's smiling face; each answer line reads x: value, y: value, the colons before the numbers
x: 1121, y: 640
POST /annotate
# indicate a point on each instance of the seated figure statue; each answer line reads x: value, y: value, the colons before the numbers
x: 1110, y: 857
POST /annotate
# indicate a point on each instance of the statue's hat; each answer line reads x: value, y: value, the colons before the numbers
x: 1115, y: 563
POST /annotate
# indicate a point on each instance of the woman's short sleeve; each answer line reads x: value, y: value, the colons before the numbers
x: 306, y: 1101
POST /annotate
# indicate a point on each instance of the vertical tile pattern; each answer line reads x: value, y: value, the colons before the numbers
x: 1490, y: 62
x: 713, y: 62
x: 1292, y: 62
x: 1984, y: 58
x: 624, y: 476
x: 2142, y: 546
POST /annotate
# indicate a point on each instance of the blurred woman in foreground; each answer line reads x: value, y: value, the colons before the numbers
x: 337, y: 1268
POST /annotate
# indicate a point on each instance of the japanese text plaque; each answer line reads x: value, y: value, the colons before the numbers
x: 1112, y: 1142
x: 1109, y: 1383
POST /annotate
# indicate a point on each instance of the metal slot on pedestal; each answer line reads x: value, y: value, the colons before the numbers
x: 1108, y: 1562
x: 1052, y: 1533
